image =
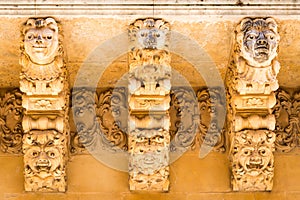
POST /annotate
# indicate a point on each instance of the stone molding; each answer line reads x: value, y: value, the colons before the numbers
x: 146, y: 8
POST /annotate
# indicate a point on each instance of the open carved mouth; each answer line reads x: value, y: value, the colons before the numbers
x: 43, y: 166
x: 254, y: 165
x: 262, y: 49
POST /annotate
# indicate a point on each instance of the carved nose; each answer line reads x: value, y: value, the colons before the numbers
x: 39, y: 39
x: 262, y: 42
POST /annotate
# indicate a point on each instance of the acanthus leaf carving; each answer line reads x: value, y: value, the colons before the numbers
x: 184, y: 117
x: 287, y: 116
x: 211, y: 110
x: 11, y: 115
x: 100, y: 120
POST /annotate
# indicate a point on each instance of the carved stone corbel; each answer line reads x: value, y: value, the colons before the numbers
x: 149, y: 98
x: 251, y: 81
x: 43, y: 81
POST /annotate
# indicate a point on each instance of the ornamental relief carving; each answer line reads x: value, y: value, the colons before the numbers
x: 44, y: 161
x: 251, y: 81
x: 149, y: 58
x: 253, y: 160
x: 43, y: 69
x: 45, y: 99
x: 212, y: 110
x: 287, y: 114
x: 11, y: 115
x: 99, y: 120
x: 184, y: 114
x: 148, y: 123
x: 255, y: 68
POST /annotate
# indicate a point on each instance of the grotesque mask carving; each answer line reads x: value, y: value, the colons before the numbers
x: 44, y: 161
x: 258, y: 40
x: 253, y: 161
x: 41, y: 40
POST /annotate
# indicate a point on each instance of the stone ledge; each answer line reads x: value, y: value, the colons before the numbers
x: 144, y: 8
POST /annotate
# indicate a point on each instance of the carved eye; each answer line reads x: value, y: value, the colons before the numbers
x: 157, y: 35
x: 51, y: 154
x: 30, y: 37
x: 35, y: 154
x: 49, y: 37
x: 247, y: 152
x: 144, y: 34
x: 251, y: 37
x: 262, y: 152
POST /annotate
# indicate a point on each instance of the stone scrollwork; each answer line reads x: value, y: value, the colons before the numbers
x: 253, y: 160
x: 184, y: 114
x: 251, y: 82
x: 287, y: 114
x: 11, y: 115
x: 43, y: 81
x: 211, y: 127
x: 100, y: 120
x: 112, y: 115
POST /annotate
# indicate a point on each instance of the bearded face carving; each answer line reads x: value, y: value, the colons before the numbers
x: 44, y: 162
x: 253, y: 161
x: 41, y: 40
x: 258, y: 40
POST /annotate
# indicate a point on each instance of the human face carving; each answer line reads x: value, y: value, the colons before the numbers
x: 41, y: 44
x: 258, y: 40
x: 151, y: 38
x: 260, y: 44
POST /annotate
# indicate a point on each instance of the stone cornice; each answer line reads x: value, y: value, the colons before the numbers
x: 147, y: 7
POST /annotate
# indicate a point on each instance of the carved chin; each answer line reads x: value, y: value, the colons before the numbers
x: 261, y: 54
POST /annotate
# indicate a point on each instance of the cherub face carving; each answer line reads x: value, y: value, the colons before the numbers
x: 253, y: 151
x: 41, y: 40
x: 42, y: 153
x: 258, y: 39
